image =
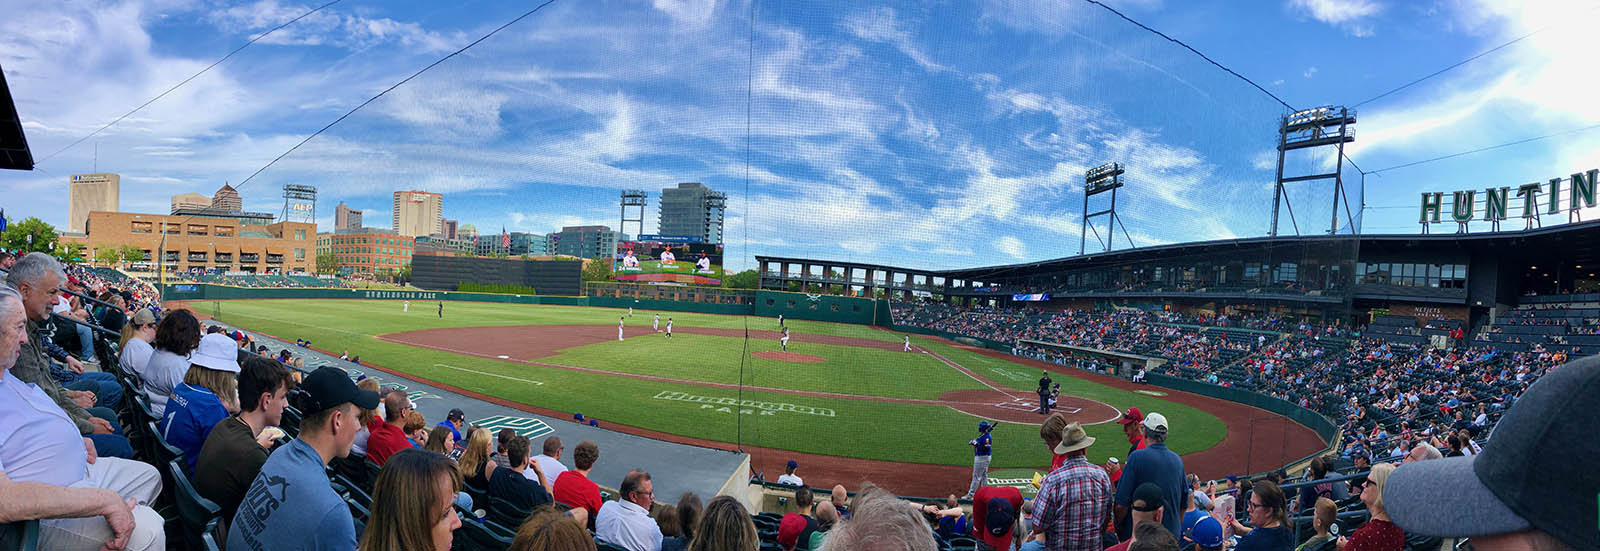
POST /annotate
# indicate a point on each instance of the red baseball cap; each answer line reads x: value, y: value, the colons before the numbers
x: 789, y: 530
x: 1133, y: 415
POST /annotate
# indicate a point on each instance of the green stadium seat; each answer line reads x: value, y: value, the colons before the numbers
x: 20, y: 536
x: 485, y: 536
x: 196, y: 514
x: 502, y: 512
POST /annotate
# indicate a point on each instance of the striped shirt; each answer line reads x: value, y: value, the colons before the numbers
x: 1072, y: 506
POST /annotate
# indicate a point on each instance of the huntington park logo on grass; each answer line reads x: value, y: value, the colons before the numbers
x: 745, y: 407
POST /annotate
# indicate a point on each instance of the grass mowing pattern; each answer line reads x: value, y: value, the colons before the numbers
x: 865, y: 429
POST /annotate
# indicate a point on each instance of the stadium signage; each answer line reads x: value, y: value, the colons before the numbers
x: 1036, y: 297
x: 669, y: 238
x: 1496, y: 201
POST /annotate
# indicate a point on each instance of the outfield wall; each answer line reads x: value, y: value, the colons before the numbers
x: 798, y: 306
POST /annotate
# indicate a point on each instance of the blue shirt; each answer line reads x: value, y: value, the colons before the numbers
x: 983, y: 445
x: 291, y: 506
x: 191, y: 412
x: 1158, y: 465
x: 1267, y: 539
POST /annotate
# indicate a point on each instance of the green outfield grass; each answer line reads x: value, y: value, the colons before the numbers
x: 918, y: 433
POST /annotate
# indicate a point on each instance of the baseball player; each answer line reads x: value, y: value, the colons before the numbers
x: 619, y: 328
x: 405, y: 307
x: 669, y: 328
x: 784, y: 340
x: 655, y: 324
x: 780, y: 320
x: 441, y: 309
x: 630, y: 311
x: 908, y: 343
x: 981, y: 448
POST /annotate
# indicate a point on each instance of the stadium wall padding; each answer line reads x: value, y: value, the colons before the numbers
x: 803, y: 306
x: 546, y: 277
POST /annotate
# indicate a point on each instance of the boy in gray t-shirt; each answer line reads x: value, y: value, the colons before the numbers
x: 291, y: 504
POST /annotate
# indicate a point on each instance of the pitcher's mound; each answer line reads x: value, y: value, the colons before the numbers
x: 789, y: 357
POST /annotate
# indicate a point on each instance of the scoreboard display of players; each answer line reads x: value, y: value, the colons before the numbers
x: 674, y: 259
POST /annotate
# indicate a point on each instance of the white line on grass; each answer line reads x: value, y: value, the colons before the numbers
x: 489, y: 374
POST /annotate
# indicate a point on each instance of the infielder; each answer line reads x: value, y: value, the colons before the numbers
x: 619, y: 328
x: 780, y: 320
x: 908, y: 343
x: 981, y: 448
x: 655, y: 324
x: 784, y: 340
x: 441, y: 309
x: 669, y: 328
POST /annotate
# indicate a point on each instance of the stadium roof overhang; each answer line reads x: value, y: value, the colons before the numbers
x: 1577, y: 242
x: 14, y: 153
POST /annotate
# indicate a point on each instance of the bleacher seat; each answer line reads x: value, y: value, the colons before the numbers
x: 503, y: 513
x: 484, y: 536
x: 196, y: 514
x: 20, y: 536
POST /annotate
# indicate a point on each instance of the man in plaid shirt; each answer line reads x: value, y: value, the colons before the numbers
x: 1074, y: 501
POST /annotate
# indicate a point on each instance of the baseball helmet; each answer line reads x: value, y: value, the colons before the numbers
x: 983, y: 426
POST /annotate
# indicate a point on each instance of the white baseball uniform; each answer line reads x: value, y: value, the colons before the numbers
x: 619, y: 330
x: 655, y: 324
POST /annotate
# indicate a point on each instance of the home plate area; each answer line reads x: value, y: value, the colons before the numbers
x: 999, y: 406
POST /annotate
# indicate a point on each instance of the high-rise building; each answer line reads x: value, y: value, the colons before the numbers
x: 692, y: 209
x: 345, y: 218
x: 586, y: 241
x: 190, y: 201
x: 467, y: 232
x: 418, y: 213
x: 450, y: 228
x: 89, y: 193
x: 227, y: 200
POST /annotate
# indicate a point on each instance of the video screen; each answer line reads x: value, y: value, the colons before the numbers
x: 672, y: 261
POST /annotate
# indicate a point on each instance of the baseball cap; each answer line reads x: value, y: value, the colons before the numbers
x: 789, y: 529
x: 216, y: 352
x: 793, y: 465
x: 1150, y: 495
x: 1133, y: 415
x: 1500, y: 491
x: 456, y: 415
x: 1207, y: 533
x: 1155, y: 422
x: 146, y: 317
x: 328, y: 387
x: 998, y: 520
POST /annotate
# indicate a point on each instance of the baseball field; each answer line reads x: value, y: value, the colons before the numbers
x: 840, y: 390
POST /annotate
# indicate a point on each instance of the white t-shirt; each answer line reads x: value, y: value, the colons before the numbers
x: 790, y: 479
x: 551, y: 467
x: 163, y: 373
x: 135, y: 356
x: 38, y: 441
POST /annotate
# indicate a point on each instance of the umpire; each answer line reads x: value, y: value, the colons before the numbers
x: 1044, y: 393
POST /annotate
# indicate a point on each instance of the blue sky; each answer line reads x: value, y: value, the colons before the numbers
x: 930, y: 134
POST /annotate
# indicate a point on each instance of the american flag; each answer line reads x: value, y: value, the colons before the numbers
x: 505, y: 238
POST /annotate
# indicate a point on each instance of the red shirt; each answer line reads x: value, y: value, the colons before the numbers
x: 980, y: 508
x: 1377, y: 535
x: 1121, y: 546
x: 1056, y: 460
x: 385, y: 440
x: 576, y: 490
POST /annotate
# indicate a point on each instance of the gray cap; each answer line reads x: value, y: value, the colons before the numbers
x: 1537, y: 470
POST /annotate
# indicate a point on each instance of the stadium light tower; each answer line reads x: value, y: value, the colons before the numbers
x: 1098, y: 180
x: 633, y: 198
x: 299, y: 203
x: 1318, y: 127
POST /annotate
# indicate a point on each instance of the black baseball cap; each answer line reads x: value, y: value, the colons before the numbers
x: 328, y: 387
x: 1150, y: 495
x: 1531, y: 474
x: 455, y: 415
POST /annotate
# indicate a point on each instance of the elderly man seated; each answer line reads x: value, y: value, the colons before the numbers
x: 51, y: 471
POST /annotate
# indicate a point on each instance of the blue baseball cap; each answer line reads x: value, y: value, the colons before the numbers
x: 1207, y: 533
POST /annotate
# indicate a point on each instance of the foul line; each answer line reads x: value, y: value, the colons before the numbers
x: 490, y: 374
x: 969, y: 373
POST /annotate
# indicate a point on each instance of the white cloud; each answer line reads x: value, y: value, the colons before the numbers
x: 692, y: 13
x: 328, y: 27
x: 1309, y: 72
x: 1010, y: 245
x: 1348, y: 15
x: 883, y: 25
